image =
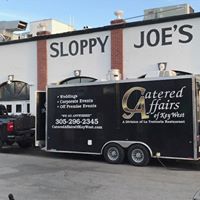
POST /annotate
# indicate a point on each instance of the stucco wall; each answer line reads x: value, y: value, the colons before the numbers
x: 89, y: 53
x: 176, y: 43
x: 20, y: 60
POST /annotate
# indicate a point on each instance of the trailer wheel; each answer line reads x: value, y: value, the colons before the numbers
x: 138, y: 155
x: 114, y: 154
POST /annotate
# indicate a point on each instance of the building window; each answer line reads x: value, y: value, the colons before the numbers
x: 9, y: 108
x: 18, y: 108
x: 15, y: 91
x: 79, y: 79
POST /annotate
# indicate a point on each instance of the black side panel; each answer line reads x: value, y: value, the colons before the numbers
x: 81, y: 118
x: 160, y: 114
x: 40, y: 115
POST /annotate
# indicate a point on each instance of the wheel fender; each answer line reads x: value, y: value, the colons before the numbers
x: 127, y: 144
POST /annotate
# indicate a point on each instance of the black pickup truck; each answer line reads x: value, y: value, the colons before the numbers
x: 16, y: 128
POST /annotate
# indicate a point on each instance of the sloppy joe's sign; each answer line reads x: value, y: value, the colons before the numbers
x: 140, y: 38
x: 164, y: 36
x: 76, y: 47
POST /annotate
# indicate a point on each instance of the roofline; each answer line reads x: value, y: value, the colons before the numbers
x: 105, y: 28
x: 48, y: 19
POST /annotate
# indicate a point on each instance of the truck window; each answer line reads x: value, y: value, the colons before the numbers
x: 9, y: 108
x: 3, y: 110
x: 18, y: 108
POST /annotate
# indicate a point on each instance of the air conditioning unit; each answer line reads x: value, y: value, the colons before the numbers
x: 13, y: 25
x: 168, y: 11
x: 8, y: 27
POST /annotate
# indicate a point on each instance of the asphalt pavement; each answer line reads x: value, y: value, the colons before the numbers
x: 32, y: 174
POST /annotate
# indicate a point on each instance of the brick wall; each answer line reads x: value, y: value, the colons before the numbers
x: 117, y: 47
x: 116, y: 54
x: 41, y: 64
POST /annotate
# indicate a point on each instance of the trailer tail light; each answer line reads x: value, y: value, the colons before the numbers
x: 10, y: 126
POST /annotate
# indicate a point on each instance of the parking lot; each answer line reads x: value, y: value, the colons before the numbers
x: 36, y: 175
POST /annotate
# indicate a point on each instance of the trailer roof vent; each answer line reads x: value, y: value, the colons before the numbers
x: 157, y: 73
x: 164, y: 74
x: 167, y: 73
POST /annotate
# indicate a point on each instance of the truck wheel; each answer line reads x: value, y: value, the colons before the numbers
x: 25, y: 144
x: 114, y: 154
x: 138, y: 155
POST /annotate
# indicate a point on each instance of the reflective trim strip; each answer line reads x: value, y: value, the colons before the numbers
x: 177, y: 158
x: 76, y: 152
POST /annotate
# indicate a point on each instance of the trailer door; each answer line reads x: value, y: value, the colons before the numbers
x: 198, y: 115
x: 40, y: 118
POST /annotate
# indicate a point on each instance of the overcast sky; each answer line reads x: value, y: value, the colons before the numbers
x: 94, y: 13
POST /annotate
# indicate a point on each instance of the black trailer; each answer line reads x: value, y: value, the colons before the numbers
x: 142, y: 118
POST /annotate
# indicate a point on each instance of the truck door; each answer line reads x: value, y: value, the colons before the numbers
x: 40, y: 118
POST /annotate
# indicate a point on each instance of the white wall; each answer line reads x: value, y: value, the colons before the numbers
x: 20, y: 60
x: 179, y: 56
x: 95, y: 62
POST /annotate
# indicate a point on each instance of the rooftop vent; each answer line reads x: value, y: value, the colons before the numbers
x: 119, y: 14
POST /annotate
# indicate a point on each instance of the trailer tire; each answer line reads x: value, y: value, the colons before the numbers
x: 138, y: 155
x: 114, y: 153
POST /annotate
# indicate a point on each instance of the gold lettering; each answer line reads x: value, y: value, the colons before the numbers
x: 140, y: 106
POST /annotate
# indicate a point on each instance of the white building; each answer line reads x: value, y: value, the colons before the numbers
x: 50, y: 25
x: 133, y: 48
